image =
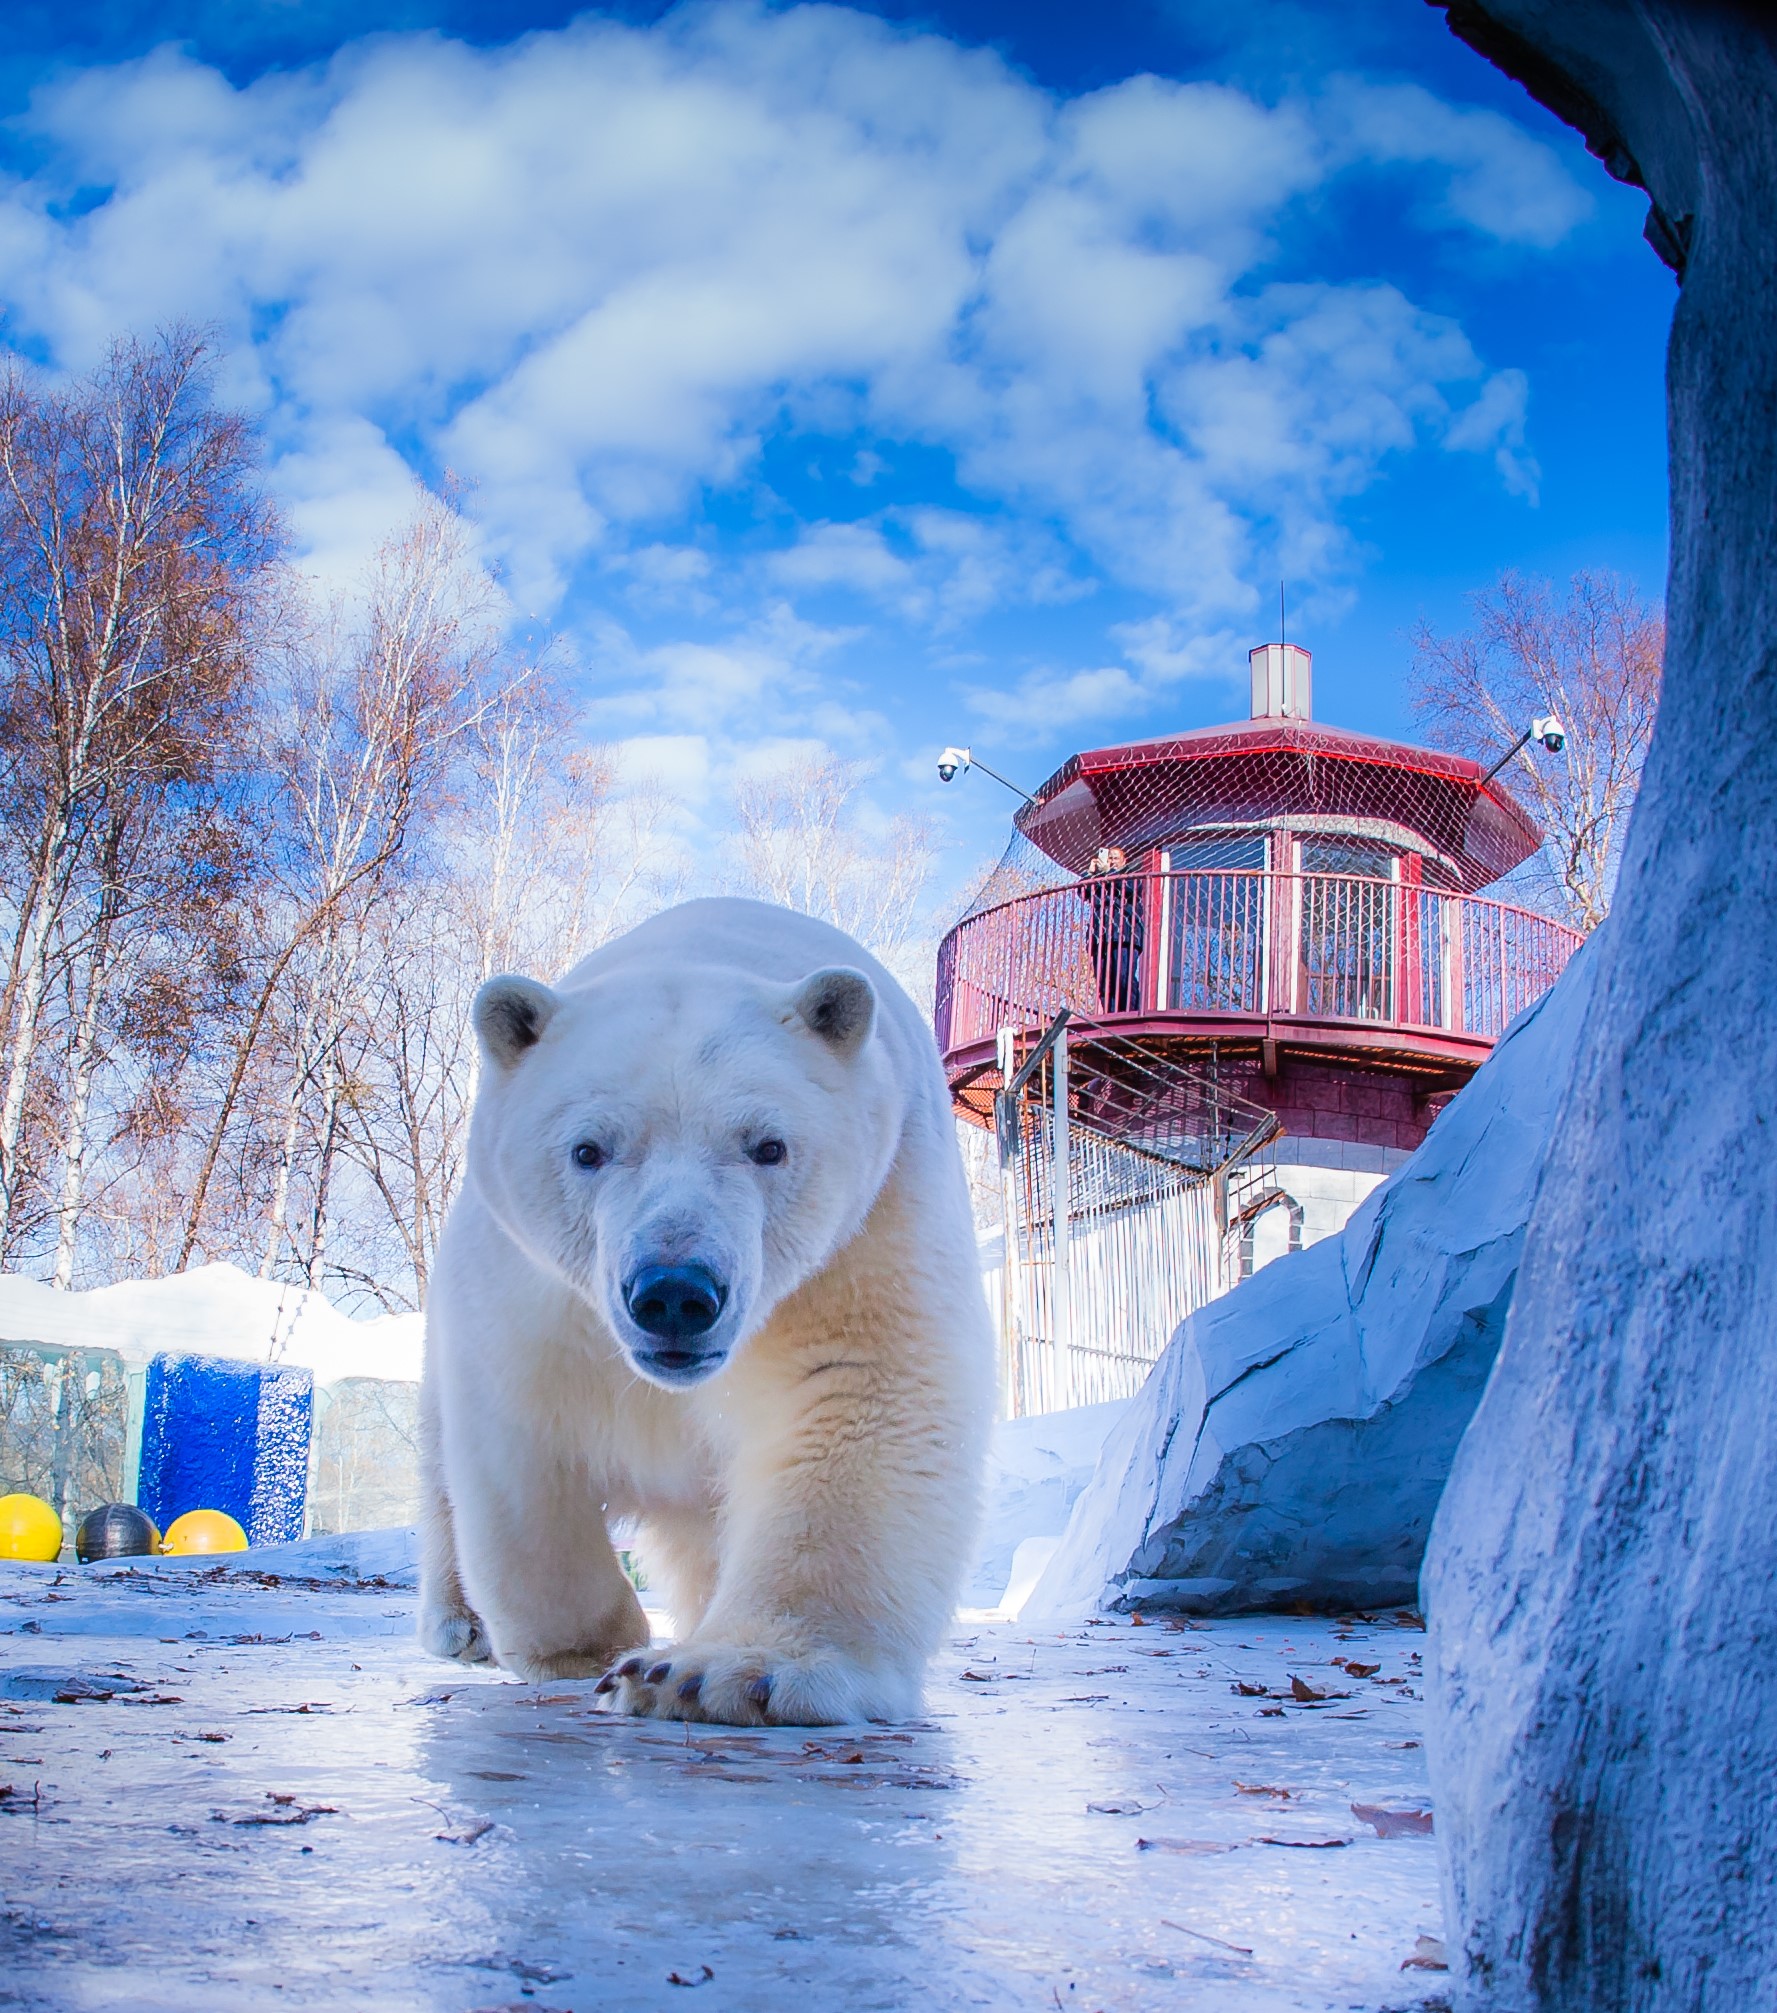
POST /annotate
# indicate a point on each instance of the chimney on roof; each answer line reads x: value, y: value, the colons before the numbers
x: 1283, y: 682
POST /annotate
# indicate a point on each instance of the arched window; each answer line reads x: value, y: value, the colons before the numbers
x: 1270, y: 1228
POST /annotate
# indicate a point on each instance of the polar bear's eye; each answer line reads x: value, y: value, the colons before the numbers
x: 589, y: 1154
x: 767, y: 1152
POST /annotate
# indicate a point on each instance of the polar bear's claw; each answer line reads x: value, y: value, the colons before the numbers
x: 754, y: 1687
x: 455, y: 1634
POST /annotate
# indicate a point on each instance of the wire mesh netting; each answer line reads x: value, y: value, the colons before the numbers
x: 1225, y: 794
x: 1274, y: 868
x: 1272, y: 906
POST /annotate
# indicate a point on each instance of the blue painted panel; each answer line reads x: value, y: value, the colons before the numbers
x: 281, y: 1471
x: 219, y: 1435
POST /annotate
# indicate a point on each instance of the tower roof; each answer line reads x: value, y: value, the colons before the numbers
x: 1270, y: 770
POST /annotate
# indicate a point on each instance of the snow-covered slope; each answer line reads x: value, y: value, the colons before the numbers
x: 1036, y: 1469
x: 1293, y: 1442
x: 215, y: 1310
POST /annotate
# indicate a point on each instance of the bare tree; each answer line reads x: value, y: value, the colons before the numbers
x: 368, y: 726
x: 541, y: 857
x: 1593, y: 659
x: 147, y: 967
x: 806, y: 840
x: 133, y: 539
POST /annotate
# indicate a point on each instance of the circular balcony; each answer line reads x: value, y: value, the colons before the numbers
x: 1380, y: 971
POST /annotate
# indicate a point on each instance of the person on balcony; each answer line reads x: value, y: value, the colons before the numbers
x: 1115, y: 929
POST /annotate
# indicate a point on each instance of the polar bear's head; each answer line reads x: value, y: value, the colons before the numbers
x: 683, y: 1151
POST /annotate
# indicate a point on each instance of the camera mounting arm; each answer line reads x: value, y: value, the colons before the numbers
x: 955, y: 761
x: 1545, y: 728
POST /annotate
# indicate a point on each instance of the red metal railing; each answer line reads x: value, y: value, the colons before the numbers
x: 1309, y: 946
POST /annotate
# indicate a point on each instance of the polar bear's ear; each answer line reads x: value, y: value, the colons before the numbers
x: 839, y: 1005
x: 510, y: 1015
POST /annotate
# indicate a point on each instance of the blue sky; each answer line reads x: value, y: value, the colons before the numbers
x: 867, y: 379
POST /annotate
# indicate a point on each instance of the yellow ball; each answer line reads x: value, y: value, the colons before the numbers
x: 29, y: 1529
x: 204, y: 1531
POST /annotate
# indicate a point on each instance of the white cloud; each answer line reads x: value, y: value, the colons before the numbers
x: 1494, y: 424
x: 1497, y: 179
x: 1043, y: 701
x: 855, y: 556
x: 594, y: 271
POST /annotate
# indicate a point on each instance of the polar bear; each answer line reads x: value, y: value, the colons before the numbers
x: 712, y: 1266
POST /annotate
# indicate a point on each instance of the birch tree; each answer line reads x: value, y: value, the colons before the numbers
x: 374, y: 705
x: 806, y: 839
x: 1593, y: 659
x: 133, y: 537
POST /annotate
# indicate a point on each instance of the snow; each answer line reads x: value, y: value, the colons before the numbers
x: 244, y: 1785
x: 1036, y: 1470
x: 214, y: 1310
x: 1292, y: 1444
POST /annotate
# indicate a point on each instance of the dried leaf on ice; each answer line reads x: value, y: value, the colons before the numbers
x: 1122, y: 1806
x: 1182, y: 1845
x: 675, y: 1978
x: 1393, y: 1823
x: 1428, y: 1955
x: 284, y: 1810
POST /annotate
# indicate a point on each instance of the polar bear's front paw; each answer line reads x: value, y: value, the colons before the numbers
x: 756, y: 1687
x: 455, y: 1634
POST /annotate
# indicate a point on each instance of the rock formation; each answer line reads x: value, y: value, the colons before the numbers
x: 1600, y: 1583
x: 1291, y: 1445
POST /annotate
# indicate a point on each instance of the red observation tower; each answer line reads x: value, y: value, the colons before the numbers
x: 1291, y: 910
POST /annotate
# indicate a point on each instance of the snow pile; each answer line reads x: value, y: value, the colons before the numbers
x: 1292, y: 1444
x: 350, y: 1558
x: 214, y: 1310
x: 1036, y: 1471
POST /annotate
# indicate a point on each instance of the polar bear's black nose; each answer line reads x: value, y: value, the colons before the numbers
x: 676, y: 1302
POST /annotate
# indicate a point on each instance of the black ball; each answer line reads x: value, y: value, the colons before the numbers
x: 115, y: 1531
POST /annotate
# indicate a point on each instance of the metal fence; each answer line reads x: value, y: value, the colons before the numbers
x: 1335, y: 947
x: 1145, y: 1233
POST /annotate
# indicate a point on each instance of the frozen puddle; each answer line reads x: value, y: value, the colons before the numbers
x: 223, y: 1793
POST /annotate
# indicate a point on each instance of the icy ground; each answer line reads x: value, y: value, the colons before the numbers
x: 232, y: 1788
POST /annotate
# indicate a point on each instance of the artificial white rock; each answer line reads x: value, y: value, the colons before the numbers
x: 1600, y: 1586
x: 1292, y: 1443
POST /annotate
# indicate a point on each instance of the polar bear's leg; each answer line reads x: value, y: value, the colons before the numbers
x: 537, y: 1561
x: 448, y: 1626
x: 679, y: 1546
x: 843, y: 1542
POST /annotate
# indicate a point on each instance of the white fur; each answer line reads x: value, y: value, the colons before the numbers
x: 811, y: 1502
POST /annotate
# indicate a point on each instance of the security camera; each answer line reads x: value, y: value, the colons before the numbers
x: 1550, y: 732
x: 950, y: 762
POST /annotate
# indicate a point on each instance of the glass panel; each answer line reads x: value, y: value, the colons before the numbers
x: 1237, y: 850
x: 1216, y: 943
x: 1348, y: 945
x: 1322, y: 854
